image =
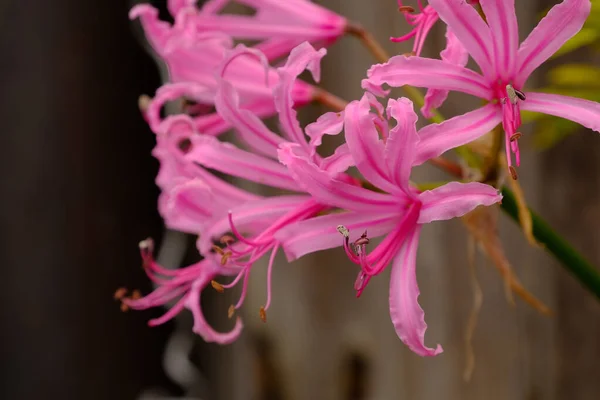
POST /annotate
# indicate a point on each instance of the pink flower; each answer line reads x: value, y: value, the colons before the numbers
x: 422, y: 22
x: 184, y: 286
x: 505, y: 67
x: 197, y: 59
x: 398, y: 211
x: 194, y: 200
x: 279, y: 25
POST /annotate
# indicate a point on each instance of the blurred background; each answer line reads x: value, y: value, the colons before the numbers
x: 78, y: 195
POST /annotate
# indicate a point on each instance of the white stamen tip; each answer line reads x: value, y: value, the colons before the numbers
x: 343, y: 230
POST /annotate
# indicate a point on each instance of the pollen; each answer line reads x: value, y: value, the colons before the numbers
x: 515, y: 136
x: 226, y: 239
x: 135, y: 295
x: 120, y: 293
x: 513, y: 172
x: 263, y: 314
x: 343, y: 230
x: 217, y: 286
x: 406, y: 9
x: 218, y: 250
x: 231, y: 311
x: 225, y: 257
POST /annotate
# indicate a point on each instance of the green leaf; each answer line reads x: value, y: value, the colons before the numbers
x: 584, y: 75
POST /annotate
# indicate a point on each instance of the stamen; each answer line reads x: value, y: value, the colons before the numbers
x: 520, y: 95
x: 226, y: 240
x: 144, y: 102
x: 263, y: 314
x: 217, y: 286
x: 218, y: 250
x: 516, y: 136
x: 269, y: 275
x: 231, y: 311
x: 359, y: 283
x: 513, y: 172
x: 225, y: 257
x: 136, y: 295
x: 514, y: 94
x: 406, y: 9
x: 343, y: 230
x: 120, y: 293
x: 410, y: 54
x: 124, y: 307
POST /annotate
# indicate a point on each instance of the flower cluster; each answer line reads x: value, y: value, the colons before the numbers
x: 321, y: 205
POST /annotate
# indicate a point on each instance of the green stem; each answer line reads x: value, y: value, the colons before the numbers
x: 581, y: 268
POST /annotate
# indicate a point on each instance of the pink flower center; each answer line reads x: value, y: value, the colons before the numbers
x: 508, y: 97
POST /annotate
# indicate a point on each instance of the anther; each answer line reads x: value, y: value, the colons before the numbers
x: 343, y: 230
x: 406, y: 9
x: 124, y: 307
x: 144, y: 102
x: 120, y: 293
x: 217, y: 286
x: 218, y: 250
x: 410, y: 54
x: 263, y: 314
x: 513, y: 172
x: 226, y: 239
x: 136, y: 294
x: 520, y: 95
x: 225, y: 257
x: 230, y: 311
x: 515, y: 136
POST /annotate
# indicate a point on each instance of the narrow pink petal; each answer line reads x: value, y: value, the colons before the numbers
x: 365, y: 145
x: 275, y: 48
x: 250, y: 218
x: 302, y: 57
x: 584, y: 112
x: 320, y: 233
x: 187, y: 206
x: 428, y: 73
x: 563, y: 21
x: 226, y: 158
x: 330, y: 191
x: 470, y: 29
x: 401, y: 144
x: 439, y: 138
x: 156, y: 31
x: 339, y: 161
x: 407, y: 315
x: 454, y: 53
x: 248, y: 126
x: 330, y: 123
x: 455, y: 199
x: 201, y: 326
x: 502, y: 19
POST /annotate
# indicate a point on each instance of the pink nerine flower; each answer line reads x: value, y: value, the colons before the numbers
x: 279, y: 25
x: 184, y: 287
x: 398, y: 212
x: 504, y: 64
x: 195, y: 62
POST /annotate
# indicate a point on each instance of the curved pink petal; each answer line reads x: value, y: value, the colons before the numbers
x: 201, y: 326
x: 187, y: 206
x: 407, y: 315
x: 502, y: 19
x: 454, y: 53
x: 156, y: 31
x: 562, y: 22
x: 339, y: 161
x: 402, y: 141
x: 584, y: 112
x: 248, y: 126
x: 330, y: 191
x: 320, y: 233
x: 366, y: 147
x: 455, y: 199
x: 439, y: 138
x: 226, y: 158
x: 470, y: 29
x: 428, y: 73
x: 330, y: 123
x: 302, y: 57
